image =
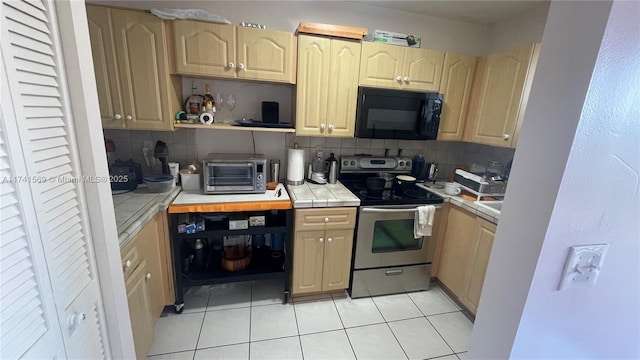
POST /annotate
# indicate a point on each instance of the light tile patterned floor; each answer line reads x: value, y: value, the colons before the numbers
x: 248, y: 321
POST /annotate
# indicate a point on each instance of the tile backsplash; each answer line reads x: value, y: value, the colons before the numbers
x: 190, y: 145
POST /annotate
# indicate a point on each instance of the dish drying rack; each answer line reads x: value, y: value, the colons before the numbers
x: 465, y: 179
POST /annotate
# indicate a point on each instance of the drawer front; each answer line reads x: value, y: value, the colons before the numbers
x: 130, y: 259
x: 390, y: 280
x: 325, y: 218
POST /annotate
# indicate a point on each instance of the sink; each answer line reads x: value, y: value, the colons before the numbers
x: 491, y: 205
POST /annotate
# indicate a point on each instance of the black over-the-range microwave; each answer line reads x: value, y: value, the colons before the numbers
x: 397, y: 114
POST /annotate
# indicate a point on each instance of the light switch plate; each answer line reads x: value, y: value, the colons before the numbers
x: 583, y: 266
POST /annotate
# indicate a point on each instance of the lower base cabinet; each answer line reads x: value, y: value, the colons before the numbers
x: 322, y: 247
x: 466, y: 248
x: 147, y: 269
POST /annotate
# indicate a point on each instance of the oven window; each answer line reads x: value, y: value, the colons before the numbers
x: 230, y: 175
x: 394, y: 235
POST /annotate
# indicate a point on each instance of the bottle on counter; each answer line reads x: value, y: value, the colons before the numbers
x: 417, y: 167
x: 194, y: 102
x: 332, y: 172
x: 209, y: 100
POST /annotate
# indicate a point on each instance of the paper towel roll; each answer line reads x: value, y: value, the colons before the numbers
x: 295, y: 166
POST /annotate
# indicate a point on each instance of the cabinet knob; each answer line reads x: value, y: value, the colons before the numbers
x: 326, y: 219
x: 330, y: 127
x: 240, y: 66
x: 231, y: 65
x: 148, y: 276
x: 129, y: 117
x: 117, y: 116
x: 399, y: 78
x: 329, y: 239
x: 127, y: 264
x: 321, y: 240
x: 75, y: 319
x: 322, y: 126
x: 406, y: 79
x: 505, y: 137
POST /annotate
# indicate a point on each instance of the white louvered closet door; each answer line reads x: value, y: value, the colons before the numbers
x: 41, y: 128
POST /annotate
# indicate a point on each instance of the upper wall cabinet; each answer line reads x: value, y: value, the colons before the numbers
x: 228, y: 51
x: 499, y: 96
x: 397, y: 67
x: 457, y: 77
x: 131, y: 62
x: 327, y: 90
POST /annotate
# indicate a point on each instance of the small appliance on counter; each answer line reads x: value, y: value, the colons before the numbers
x: 125, y: 175
x: 480, y: 185
x: 235, y: 174
x: 160, y: 152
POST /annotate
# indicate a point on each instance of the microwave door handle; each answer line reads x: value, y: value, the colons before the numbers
x: 420, y: 121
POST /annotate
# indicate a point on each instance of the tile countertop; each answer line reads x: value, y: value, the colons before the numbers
x: 468, y: 205
x: 136, y: 208
x: 310, y: 195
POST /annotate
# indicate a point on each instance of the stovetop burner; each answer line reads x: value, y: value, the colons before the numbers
x: 413, y: 195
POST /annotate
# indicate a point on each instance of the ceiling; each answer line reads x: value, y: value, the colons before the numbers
x: 477, y: 12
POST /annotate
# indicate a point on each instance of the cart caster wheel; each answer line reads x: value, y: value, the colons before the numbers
x: 178, y: 308
x: 285, y: 300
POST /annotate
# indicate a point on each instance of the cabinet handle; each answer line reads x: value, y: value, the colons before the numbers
x: 148, y: 276
x: 127, y: 264
x: 406, y: 79
x: 129, y: 117
x: 321, y: 240
x: 241, y: 66
x: 329, y: 239
x: 505, y: 137
x: 326, y: 219
x: 231, y: 65
x: 117, y: 116
x: 330, y: 127
x: 399, y: 78
x: 322, y: 126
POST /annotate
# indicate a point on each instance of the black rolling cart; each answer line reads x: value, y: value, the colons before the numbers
x: 197, y: 257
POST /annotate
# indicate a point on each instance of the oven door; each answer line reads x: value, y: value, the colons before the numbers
x: 230, y: 177
x: 385, y: 237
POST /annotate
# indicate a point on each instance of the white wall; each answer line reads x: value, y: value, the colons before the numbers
x: 521, y: 312
x: 519, y: 30
x: 437, y: 33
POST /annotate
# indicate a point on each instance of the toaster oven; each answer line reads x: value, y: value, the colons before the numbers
x: 234, y: 173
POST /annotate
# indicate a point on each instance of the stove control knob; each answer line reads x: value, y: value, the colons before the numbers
x: 353, y: 163
x: 401, y: 163
x: 345, y: 163
x: 408, y: 163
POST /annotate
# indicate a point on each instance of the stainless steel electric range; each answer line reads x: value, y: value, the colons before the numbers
x: 387, y: 258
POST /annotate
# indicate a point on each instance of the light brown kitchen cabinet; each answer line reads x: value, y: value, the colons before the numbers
x: 327, y: 88
x: 456, y: 250
x: 397, y: 67
x: 148, y: 277
x: 457, y: 78
x: 463, y: 259
x: 228, y: 51
x: 131, y: 60
x: 499, y: 96
x: 483, y: 234
x: 322, y: 247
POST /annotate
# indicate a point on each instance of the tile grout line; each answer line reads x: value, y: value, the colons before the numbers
x: 295, y: 315
x: 201, y: 326
x: 443, y: 339
x: 343, y: 327
x: 389, y: 327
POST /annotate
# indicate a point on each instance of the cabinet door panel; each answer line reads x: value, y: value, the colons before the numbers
x: 456, y: 249
x: 336, y: 269
x: 457, y: 77
x: 265, y: 54
x: 104, y: 64
x: 314, y: 56
x: 423, y: 68
x: 139, y: 299
x: 143, y: 64
x: 204, y: 48
x: 150, y: 245
x: 496, y: 100
x: 380, y: 65
x: 308, y: 252
x: 343, y: 88
x: 484, y: 232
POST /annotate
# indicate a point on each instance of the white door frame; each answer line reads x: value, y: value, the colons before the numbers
x: 74, y: 35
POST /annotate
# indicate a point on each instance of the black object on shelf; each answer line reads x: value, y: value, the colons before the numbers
x: 270, y: 112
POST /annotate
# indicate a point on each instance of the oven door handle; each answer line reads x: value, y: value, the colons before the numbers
x: 379, y: 210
